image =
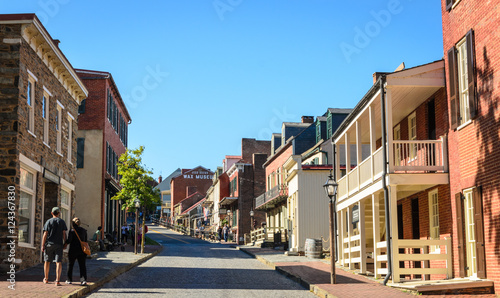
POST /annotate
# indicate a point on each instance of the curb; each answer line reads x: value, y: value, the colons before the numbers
x: 115, y: 273
x: 312, y: 288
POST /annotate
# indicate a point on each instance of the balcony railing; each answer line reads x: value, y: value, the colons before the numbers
x: 419, y: 156
x: 273, y: 193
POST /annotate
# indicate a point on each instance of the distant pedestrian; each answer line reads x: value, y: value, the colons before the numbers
x: 75, y: 237
x: 98, y: 238
x: 131, y: 232
x: 225, y: 231
x: 219, y: 231
x: 54, y: 236
x: 124, y: 232
x: 139, y: 235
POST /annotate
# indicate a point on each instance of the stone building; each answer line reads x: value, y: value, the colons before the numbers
x: 40, y: 93
x: 101, y: 138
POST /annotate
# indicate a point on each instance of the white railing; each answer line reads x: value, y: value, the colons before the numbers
x: 437, y: 262
x: 353, y: 180
x: 365, y: 171
x: 342, y: 188
x: 419, y: 155
x: 266, y: 234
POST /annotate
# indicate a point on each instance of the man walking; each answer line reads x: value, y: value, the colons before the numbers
x: 54, y: 235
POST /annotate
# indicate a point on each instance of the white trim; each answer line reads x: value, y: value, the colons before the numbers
x: 28, y: 162
x: 71, y: 116
x: 46, y: 144
x: 60, y: 104
x: 32, y: 75
x: 31, y: 133
x: 32, y: 192
x: 46, y: 90
x: 66, y: 184
x: 464, y: 124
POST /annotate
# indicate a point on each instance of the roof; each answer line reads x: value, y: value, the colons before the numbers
x: 52, y: 51
x: 194, y: 206
x: 339, y: 111
x: 104, y: 75
x: 165, y: 183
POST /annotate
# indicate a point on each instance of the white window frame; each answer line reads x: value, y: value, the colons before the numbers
x: 470, y: 244
x: 463, y: 84
x: 434, y: 231
x: 66, y: 206
x: 70, y: 137
x: 32, y: 192
x: 30, y: 92
x: 412, y: 134
x: 46, y: 119
x: 59, y: 128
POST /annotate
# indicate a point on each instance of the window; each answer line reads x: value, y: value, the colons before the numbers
x: 412, y: 134
x: 30, y: 100
x: 45, y: 115
x: 434, y: 218
x: 451, y: 3
x: 66, y: 205
x: 470, y: 233
x: 80, y: 152
x: 27, y: 207
x: 318, y: 131
x: 329, y: 129
x: 397, y: 153
x: 81, y: 107
x: 58, y: 127
x: 70, y: 137
x: 462, y: 81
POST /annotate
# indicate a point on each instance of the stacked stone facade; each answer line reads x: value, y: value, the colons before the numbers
x: 23, y: 147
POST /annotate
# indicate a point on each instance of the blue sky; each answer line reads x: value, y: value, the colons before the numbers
x: 198, y: 76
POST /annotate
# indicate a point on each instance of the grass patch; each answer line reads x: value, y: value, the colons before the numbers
x: 149, y: 241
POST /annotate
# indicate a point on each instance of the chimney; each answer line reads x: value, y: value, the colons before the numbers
x: 307, y: 119
x: 191, y: 190
x: 56, y: 42
x: 160, y: 179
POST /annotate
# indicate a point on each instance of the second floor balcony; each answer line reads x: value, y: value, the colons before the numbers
x: 271, y: 197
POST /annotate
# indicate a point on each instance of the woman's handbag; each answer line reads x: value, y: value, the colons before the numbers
x: 85, y: 245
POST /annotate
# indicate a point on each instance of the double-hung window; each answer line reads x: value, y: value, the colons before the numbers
x: 45, y: 115
x: 70, y: 137
x: 66, y: 205
x: 462, y: 81
x: 434, y: 218
x: 30, y: 100
x: 27, y: 207
x: 58, y: 127
x: 412, y: 134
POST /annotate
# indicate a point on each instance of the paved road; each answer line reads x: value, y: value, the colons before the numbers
x: 189, y: 267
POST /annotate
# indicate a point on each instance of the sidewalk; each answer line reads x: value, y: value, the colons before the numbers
x: 105, y: 267
x: 314, y: 274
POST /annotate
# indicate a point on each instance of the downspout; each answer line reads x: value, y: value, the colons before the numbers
x: 384, y: 184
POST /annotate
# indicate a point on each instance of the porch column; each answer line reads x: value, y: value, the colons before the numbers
x: 359, y: 156
x: 347, y: 140
x: 394, y: 232
x: 376, y: 233
x: 362, y: 234
x: 373, y: 138
x: 337, y: 162
x: 341, y: 234
x: 389, y: 129
x: 349, y: 235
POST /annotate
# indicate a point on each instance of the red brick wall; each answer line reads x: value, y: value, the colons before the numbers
x: 179, y: 184
x: 473, y: 150
x: 277, y: 161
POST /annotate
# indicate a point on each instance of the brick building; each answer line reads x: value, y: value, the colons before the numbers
x: 40, y: 94
x: 187, y: 183
x: 246, y: 181
x: 101, y: 138
x: 471, y: 41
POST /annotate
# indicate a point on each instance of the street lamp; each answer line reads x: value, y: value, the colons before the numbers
x: 331, y: 191
x: 251, y: 224
x: 137, y: 204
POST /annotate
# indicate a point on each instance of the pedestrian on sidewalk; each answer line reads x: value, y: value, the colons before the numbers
x: 98, y: 238
x: 54, y: 236
x: 76, y: 235
x: 124, y: 233
x: 219, y: 232
x: 225, y: 231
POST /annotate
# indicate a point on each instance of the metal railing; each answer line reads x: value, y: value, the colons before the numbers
x: 277, y: 191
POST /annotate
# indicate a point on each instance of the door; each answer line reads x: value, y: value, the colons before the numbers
x: 470, y: 235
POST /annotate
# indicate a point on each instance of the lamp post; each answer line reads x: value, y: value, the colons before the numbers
x: 137, y: 203
x: 252, y: 213
x: 331, y: 191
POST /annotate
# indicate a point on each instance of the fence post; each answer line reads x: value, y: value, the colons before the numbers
x: 449, y: 264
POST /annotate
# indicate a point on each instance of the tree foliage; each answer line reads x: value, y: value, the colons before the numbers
x: 135, y: 181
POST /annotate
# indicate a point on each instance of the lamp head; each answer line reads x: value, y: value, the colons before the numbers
x: 330, y: 186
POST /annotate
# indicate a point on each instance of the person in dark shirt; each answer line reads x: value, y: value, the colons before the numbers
x: 75, y: 251
x: 54, y: 235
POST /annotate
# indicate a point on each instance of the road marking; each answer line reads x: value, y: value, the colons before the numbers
x: 170, y: 237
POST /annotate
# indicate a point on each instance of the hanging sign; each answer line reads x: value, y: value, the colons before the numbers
x: 355, y: 214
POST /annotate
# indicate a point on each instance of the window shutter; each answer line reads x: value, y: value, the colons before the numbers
x: 80, y: 149
x: 81, y: 108
x: 459, y: 207
x: 471, y: 73
x: 449, y: 4
x: 452, y: 81
x: 109, y: 107
x: 479, y: 227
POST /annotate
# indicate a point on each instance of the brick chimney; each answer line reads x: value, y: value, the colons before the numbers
x: 160, y: 179
x: 307, y: 119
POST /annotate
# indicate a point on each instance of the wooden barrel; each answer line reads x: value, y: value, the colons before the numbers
x: 314, y: 248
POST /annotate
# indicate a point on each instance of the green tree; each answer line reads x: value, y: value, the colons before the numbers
x: 136, y: 184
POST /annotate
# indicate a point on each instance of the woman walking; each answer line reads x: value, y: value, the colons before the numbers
x: 76, y: 252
